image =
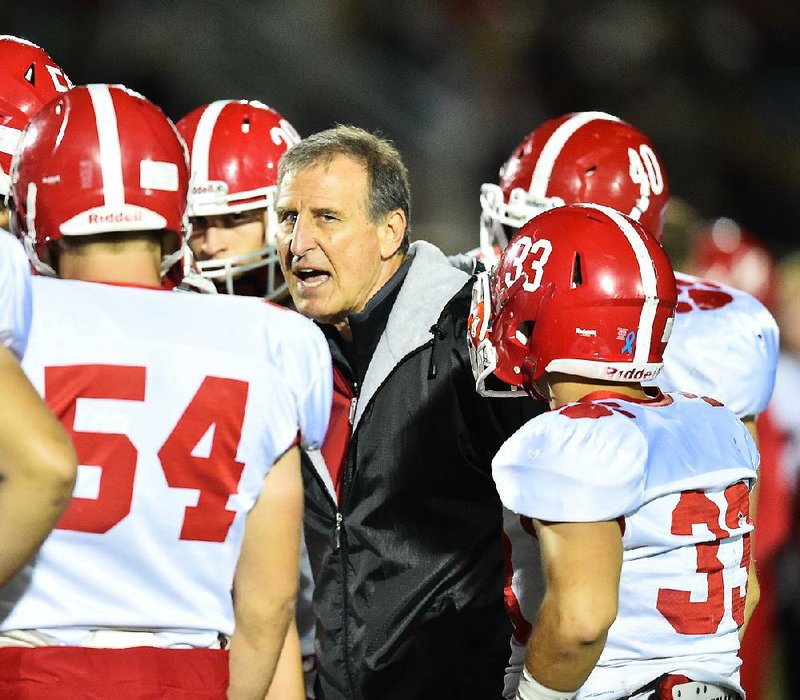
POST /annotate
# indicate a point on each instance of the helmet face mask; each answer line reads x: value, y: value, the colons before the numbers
x: 584, y: 157
x: 501, y: 218
x: 234, y: 148
x: 581, y: 290
x: 482, y: 352
x: 228, y: 272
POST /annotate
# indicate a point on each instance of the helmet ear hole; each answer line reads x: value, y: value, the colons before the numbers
x: 524, y: 332
x: 577, y: 272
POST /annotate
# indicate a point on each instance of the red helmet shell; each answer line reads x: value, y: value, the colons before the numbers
x: 29, y: 79
x: 234, y: 149
x: 583, y: 157
x: 582, y: 290
x: 727, y: 253
x: 100, y: 158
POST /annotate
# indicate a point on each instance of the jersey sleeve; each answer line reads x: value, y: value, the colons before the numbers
x: 754, y: 381
x: 571, y: 465
x: 305, y: 361
x: 315, y: 407
x: 730, y: 354
x: 15, y: 295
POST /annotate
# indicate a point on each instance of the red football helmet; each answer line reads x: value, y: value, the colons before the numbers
x: 100, y: 158
x: 29, y: 79
x: 234, y: 149
x: 580, y: 289
x: 726, y: 253
x: 584, y: 157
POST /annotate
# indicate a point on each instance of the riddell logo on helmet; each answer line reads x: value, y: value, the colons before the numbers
x: 119, y: 217
x: 632, y: 375
x: 212, y: 188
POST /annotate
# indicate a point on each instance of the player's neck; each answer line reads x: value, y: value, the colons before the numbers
x: 137, y: 267
x: 565, y: 388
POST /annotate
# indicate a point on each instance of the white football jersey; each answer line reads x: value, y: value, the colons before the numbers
x: 676, y: 470
x: 178, y: 405
x: 724, y: 344
x: 15, y: 294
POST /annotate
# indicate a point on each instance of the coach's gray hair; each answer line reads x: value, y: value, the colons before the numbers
x: 387, y: 178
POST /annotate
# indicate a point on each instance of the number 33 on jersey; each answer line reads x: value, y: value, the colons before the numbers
x: 675, y: 472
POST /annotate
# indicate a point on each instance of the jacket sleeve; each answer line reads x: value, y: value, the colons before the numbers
x: 512, y: 414
x: 488, y: 422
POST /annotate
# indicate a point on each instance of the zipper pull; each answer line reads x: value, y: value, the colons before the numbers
x: 352, y: 416
x: 338, y: 531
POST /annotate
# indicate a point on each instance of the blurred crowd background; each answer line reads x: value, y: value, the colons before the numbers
x: 456, y: 84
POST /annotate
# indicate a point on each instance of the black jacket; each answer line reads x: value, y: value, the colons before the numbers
x: 408, y: 563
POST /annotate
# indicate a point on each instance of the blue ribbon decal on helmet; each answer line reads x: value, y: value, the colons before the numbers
x: 629, y: 340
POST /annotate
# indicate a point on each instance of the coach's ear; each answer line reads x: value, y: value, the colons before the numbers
x: 391, y: 233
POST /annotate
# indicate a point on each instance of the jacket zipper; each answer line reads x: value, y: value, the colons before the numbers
x: 352, y: 415
x: 337, y: 538
x: 343, y: 558
x: 338, y: 531
x: 350, y: 419
x: 340, y: 517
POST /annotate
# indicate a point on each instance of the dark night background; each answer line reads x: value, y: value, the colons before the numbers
x: 457, y: 84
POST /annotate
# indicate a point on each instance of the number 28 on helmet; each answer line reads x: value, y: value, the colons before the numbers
x: 580, y: 289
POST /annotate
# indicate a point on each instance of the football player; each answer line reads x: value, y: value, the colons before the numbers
x: 638, y: 499
x: 187, y: 413
x: 37, y: 462
x: 234, y: 149
x: 29, y: 79
x: 725, y: 342
x: 725, y: 252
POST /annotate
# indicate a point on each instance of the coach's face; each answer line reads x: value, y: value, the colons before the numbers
x: 333, y: 257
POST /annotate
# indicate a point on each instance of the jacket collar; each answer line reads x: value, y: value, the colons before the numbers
x: 430, y: 283
x: 368, y: 326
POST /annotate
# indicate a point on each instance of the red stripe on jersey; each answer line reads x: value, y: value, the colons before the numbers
x: 655, y: 397
x: 135, y: 285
